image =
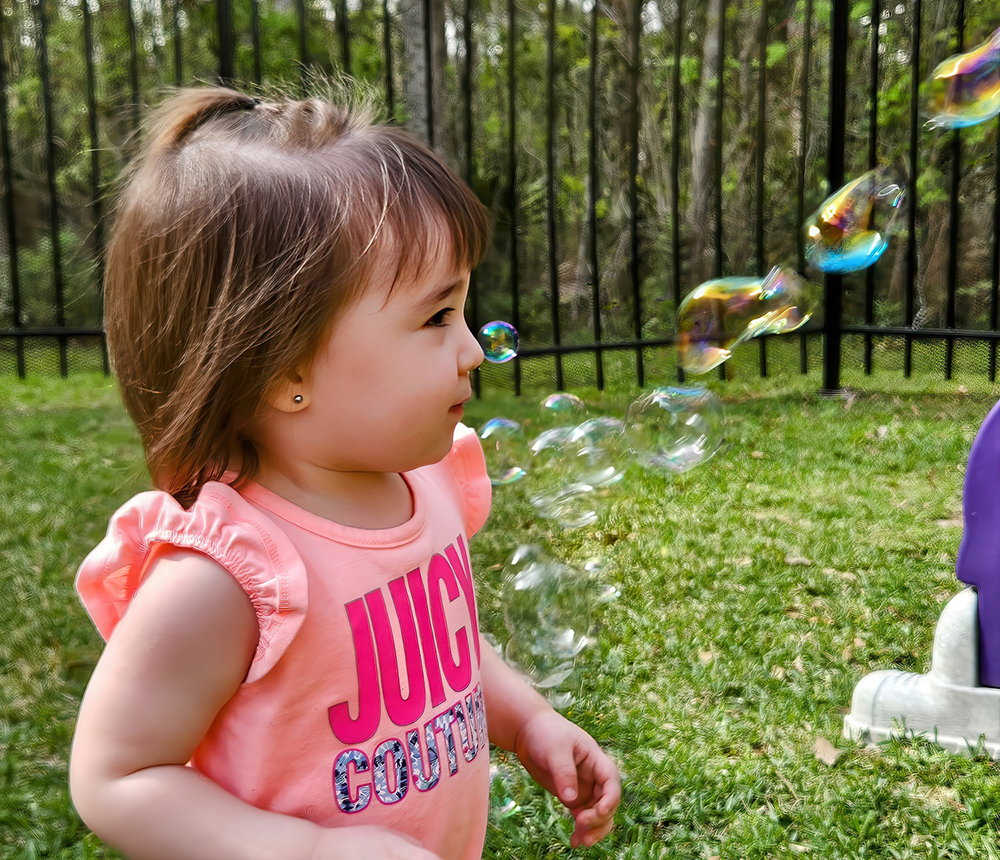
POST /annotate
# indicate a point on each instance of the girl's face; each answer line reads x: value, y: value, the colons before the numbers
x: 387, y: 388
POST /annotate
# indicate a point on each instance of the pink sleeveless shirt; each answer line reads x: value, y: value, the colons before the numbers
x: 363, y: 703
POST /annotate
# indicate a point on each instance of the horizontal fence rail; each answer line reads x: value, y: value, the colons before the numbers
x: 628, y: 149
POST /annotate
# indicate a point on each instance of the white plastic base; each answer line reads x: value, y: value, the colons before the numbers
x: 946, y: 705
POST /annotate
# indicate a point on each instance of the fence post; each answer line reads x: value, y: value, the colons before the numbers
x: 833, y: 284
x: 224, y: 22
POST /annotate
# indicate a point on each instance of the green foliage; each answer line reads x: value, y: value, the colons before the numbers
x: 793, y: 141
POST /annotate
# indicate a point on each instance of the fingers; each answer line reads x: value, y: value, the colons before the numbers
x: 564, y: 778
x: 589, y: 837
x: 595, y: 818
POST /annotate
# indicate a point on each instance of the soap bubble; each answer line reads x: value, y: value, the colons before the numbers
x: 674, y: 428
x: 504, y: 788
x: 569, y: 463
x: 547, y: 608
x: 851, y: 229
x: 965, y: 89
x: 722, y: 313
x: 505, y: 449
x: 561, y: 403
x: 499, y: 341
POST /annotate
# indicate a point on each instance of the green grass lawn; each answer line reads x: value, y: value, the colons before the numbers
x: 757, y: 590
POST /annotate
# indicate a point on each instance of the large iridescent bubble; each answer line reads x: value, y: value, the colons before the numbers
x: 965, y: 89
x: 674, y: 428
x: 506, y: 450
x: 499, y: 341
x: 548, y: 609
x: 852, y: 228
x: 720, y: 314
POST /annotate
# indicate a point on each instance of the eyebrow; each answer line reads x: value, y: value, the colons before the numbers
x: 428, y: 301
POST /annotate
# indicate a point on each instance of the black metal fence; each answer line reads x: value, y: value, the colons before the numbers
x: 628, y: 148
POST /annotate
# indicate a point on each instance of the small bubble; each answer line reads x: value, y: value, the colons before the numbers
x: 505, y: 449
x: 499, y: 341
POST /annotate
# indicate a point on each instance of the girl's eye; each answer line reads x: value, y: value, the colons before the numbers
x: 440, y: 318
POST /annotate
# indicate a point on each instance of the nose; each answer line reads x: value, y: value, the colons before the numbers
x: 470, y: 354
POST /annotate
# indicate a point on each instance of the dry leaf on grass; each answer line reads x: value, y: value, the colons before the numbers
x: 825, y: 751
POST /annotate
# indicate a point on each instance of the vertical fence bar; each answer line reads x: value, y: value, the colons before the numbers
x: 178, y: 54
x: 633, y: 184
x: 833, y: 284
x: 133, y: 49
x: 429, y: 71
x: 8, y: 194
x: 675, y: 168
x: 227, y: 52
x: 759, y: 191
x: 550, y: 181
x: 465, y: 82
x: 50, y: 177
x: 911, y: 246
x: 594, y: 183
x: 719, y: 89
x: 390, y: 99
x: 804, y: 138
x: 258, y: 75
x: 876, y: 16
x: 512, y: 180
x: 304, y: 59
x: 343, y: 29
x: 95, y: 169
x: 995, y: 295
x: 955, y: 216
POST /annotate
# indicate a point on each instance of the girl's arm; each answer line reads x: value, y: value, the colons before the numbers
x: 561, y: 757
x: 176, y: 657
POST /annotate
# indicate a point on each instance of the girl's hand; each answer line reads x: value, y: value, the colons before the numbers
x: 339, y: 843
x: 567, y: 762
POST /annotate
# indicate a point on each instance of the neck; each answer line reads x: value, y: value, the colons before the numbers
x: 367, y: 500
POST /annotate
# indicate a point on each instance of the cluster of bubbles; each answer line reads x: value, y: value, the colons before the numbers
x: 965, y: 89
x: 550, y: 612
x: 848, y: 233
x: 575, y: 457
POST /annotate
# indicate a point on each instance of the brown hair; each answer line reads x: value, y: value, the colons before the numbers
x: 242, y: 232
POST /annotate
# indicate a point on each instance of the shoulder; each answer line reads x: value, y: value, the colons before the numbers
x: 221, y: 533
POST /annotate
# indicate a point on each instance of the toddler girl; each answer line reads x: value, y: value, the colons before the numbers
x: 293, y: 666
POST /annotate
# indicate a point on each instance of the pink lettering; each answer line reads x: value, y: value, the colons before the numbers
x: 426, y: 637
x: 357, y: 730
x: 401, y: 711
x: 463, y: 570
x: 457, y: 672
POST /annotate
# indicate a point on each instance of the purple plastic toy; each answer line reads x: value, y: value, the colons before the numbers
x: 978, y: 561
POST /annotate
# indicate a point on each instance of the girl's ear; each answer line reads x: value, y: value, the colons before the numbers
x: 290, y: 396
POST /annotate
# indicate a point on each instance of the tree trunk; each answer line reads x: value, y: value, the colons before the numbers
x: 425, y: 106
x: 703, y: 145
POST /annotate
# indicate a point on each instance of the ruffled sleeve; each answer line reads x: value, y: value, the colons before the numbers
x: 224, y: 527
x: 469, y: 467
